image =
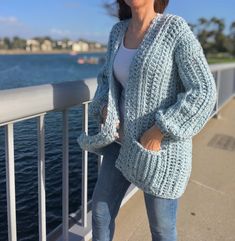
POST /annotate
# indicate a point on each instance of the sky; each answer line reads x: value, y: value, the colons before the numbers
x: 88, y: 19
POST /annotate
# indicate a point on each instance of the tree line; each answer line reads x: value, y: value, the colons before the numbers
x: 210, y: 33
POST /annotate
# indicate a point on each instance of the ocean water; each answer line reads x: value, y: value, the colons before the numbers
x: 28, y: 70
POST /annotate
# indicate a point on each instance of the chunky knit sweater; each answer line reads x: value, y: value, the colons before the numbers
x: 170, y: 85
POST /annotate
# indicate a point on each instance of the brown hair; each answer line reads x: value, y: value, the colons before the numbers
x: 124, y: 11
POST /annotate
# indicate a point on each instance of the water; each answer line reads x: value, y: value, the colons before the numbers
x: 28, y: 70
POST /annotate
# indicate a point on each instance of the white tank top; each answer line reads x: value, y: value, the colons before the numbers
x: 121, y: 66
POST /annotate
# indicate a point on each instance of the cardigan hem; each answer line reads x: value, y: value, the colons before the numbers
x: 161, y: 176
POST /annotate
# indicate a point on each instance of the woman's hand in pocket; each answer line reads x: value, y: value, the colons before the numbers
x: 151, y: 139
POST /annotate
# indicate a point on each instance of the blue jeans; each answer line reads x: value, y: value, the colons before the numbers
x: 109, y: 191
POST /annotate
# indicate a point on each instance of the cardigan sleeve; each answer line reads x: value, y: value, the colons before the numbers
x: 100, y: 98
x: 193, y: 108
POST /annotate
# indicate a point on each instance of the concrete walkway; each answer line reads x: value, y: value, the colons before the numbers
x: 207, y: 208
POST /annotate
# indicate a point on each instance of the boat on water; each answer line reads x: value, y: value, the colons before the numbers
x: 73, y: 53
x: 90, y: 60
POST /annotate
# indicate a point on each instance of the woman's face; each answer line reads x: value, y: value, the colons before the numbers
x: 138, y: 3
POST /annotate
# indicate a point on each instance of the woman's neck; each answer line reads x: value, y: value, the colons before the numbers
x: 141, y: 20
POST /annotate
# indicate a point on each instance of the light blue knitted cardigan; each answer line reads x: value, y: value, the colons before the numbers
x: 170, y: 84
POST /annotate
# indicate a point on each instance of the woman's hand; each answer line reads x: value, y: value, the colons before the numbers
x: 151, y: 139
x: 104, y: 116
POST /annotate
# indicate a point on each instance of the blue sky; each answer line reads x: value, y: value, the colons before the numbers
x: 87, y: 19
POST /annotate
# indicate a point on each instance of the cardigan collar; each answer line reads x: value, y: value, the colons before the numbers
x: 155, y: 30
x: 156, y: 24
x: 152, y: 22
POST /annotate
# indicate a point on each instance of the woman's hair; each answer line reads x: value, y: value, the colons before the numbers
x: 124, y: 11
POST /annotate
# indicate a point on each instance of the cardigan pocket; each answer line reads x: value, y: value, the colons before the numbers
x: 143, y: 163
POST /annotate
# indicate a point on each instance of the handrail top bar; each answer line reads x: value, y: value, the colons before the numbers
x: 221, y: 66
x: 28, y: 101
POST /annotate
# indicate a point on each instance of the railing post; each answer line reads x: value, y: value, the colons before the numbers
x: 100, y: 157
x: 65, y: 178
x: 84, y: 167
x: 41, y: 178
x: 10, y: 182
x: 218, y: 81
x: 234, y: 83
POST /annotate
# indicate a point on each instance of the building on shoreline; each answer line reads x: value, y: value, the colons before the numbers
x: 46, y: 44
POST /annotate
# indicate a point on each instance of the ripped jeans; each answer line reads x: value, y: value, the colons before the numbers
x: 108, y: 193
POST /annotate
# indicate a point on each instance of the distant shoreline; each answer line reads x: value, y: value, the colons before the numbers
x: 14, y: 52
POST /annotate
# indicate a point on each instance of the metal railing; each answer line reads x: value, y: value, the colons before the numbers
x: 35, y: 102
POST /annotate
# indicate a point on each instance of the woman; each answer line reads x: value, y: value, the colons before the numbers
x: 155, y: 92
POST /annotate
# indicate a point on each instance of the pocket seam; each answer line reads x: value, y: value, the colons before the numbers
x: 140, y: 146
